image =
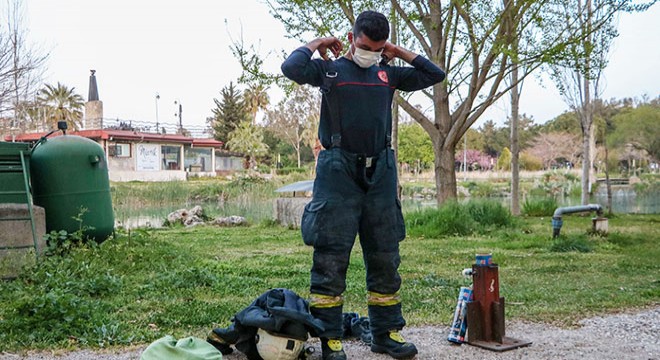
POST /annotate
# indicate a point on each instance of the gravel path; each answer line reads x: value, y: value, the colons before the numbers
x: 621, y: 336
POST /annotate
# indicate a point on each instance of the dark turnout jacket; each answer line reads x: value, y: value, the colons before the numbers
x: 363, y: 96
x: 279, y: 311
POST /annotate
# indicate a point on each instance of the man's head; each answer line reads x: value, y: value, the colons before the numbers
x: 368, y: 38
x: 372, y: 24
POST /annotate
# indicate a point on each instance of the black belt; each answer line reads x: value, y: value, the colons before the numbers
x: 367, y: 161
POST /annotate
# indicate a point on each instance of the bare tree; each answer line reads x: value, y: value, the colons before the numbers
x: 21, y: 68
x: 295, y: 119
x: 578, y: 75
x: 471, y: 40
x: 555, y: 145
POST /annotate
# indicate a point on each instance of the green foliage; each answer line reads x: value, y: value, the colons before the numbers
x: 541, y: 207
x: 450, y: 219
x: 141, y: 285
x: 248, y: 139
x: 638, y: 128
x: 414, y: 145
x: 228, y: 113
x: 481, y: 188
x: 530, y: 162
x: 61, y: 242
x: 567, y: 122
x: 649, y: 185
x: 504, y: 161
x: 61, y: 103
x: 495, y: 138
x: 571, y: 243
x: 454, y: 219
x: 558, y: 183
x: 489, y: 214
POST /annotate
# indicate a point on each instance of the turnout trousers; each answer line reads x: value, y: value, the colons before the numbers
x: 355, y: 195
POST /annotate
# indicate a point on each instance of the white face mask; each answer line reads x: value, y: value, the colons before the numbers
x: 365, y: 58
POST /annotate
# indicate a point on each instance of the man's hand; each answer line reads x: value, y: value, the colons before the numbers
x: 324, y: 44
x: 392, y: 51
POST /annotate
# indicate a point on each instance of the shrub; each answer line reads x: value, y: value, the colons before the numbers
x: 489, y: 213
x: 450, y: 219
x: 456, y: 219
x: 542, y: 207
x: 530, y: 162
x: 560, y: 183
x: 481, y: 189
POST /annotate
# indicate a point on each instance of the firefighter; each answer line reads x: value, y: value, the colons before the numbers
x: 356, y: 178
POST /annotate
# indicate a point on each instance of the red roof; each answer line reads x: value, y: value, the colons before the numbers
x: 125, y: 135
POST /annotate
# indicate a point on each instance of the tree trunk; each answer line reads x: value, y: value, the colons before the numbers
x: 592, y: 154
x: 445, y: 176
x: 515, y: 106
x: 515, y: 151
x: 587, y: 114
x: 298, y: 155
x: 586, y: 163
x: 607, y: 180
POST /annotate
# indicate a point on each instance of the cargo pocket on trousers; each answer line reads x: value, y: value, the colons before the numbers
x: 400, y: 227
x: 309, y: 225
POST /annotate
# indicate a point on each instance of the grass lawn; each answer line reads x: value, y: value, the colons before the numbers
x: 143, y: 285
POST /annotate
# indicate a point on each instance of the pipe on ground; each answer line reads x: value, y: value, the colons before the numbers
x: 557, y: 221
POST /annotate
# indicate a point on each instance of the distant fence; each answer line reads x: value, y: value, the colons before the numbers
x: 196, y: 131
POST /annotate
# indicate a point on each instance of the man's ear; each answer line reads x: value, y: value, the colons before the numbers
x: 350, y: 37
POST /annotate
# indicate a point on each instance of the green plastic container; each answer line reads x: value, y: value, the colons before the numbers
x: 69, y: 180
x: 11, y: 176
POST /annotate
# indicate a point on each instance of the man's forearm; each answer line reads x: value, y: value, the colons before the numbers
x: 404, y: 54
x: 313, y: 45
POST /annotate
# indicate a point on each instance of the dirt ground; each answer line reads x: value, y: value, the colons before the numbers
x: 628, y: 335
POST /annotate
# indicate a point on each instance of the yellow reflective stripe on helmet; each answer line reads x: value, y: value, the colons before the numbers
x: 379, y: 299
x: 321, y: 301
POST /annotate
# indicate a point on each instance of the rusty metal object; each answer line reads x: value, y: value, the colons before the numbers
x: 486, y: 312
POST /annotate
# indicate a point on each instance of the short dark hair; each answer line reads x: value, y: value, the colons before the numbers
x: 372, y: 24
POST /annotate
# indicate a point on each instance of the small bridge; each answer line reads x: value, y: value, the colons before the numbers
x: 615, y: 181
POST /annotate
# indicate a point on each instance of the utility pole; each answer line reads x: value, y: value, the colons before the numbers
x: 179, y: 110
x: 157, y: 125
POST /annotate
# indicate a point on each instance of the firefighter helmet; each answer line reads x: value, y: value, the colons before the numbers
x: 277, y: 346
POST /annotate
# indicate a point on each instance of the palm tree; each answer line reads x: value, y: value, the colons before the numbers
x: 255, y: 98
x: 61, y: 103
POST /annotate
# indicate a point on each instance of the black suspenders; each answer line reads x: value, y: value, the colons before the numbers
x: 329, y: 78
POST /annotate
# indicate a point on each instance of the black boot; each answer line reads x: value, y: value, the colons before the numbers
x: 221, y: 339
x: 332, y: 349
x: 392, y: 343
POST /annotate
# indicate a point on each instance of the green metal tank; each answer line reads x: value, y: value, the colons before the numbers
x: 70, y: 178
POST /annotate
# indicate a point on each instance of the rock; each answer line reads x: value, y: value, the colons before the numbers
x: 177, y: 216
x: 197, y: 211
x: 194, y: 216
x: 233, y: 220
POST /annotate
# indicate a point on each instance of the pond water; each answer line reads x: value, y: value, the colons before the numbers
x: 624, y: 201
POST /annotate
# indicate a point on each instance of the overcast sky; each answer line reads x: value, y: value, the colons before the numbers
x: 180, y: 50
